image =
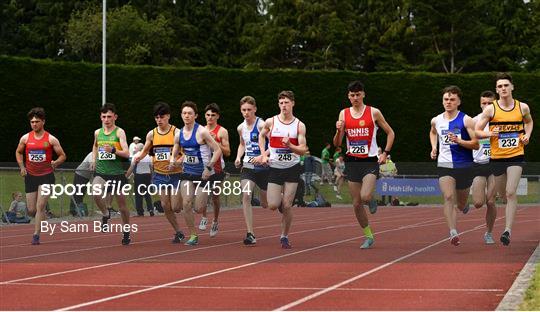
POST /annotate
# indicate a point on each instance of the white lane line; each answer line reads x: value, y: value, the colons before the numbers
x: 213, y: 273
x: 362, y: 275
x: 264, y: 288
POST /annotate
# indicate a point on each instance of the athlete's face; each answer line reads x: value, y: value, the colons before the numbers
x: 485, y: 101
x: 188, y: 115
x: 37, y: 124
x: 286, y: 105
x: 504, y: 87
x: 356, y: 97
x: 108, y: 119
x: 248, y: 110
x: 211, y: 117
x: 451, y: 101
x: 162, y: 120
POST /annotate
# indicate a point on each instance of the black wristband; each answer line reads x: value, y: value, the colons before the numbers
x: 387, y: 152
x: 113, y: 150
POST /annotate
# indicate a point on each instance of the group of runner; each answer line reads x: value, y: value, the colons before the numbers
x: 269, y: 157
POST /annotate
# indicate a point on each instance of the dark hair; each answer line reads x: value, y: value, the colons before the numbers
x: 189, y: 104
x: 453, y: 90
x: 213, y: 107
x: 108, y: 107
x: 161, y: 108
x: 355, y: 86
x: 506, y: 76
x: 488, y: 94
x: 248, y: 99
x: 37, y: 112
x: 286, y: 94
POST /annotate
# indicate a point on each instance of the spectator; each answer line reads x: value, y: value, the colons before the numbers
x: 18, y: 212
x: 340, y: 175
x: 82, y: 176
x: 387, y: 170
x: 337, y: 154
x: 133, y: 146
x: 309, y: 168
x: 325, y: 161
x: 143, y: 176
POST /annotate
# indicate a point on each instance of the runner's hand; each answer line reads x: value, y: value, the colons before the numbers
x: 434, y: 153
x: 340, y: 125
x: 23, y: 172
x: 494, y: 132
x: 524, y: 139
x: 237, y: 163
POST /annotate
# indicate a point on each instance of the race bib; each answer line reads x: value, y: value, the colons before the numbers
x: 486, y: 146
x: 104, y: 155
x: 508, y: 140
x: 37, y: 156
x: 191, y: 160
x: 358, y: 148
x: 162, y: 153
x: 446, y: 137
x: 285, y: 157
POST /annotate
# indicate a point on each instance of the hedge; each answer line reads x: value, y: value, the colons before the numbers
x: 71, y: 96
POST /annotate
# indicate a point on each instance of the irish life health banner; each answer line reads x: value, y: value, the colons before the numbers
x: 411, y: 187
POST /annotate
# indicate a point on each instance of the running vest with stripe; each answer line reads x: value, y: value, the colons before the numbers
x: 452, y: 155
x: 162, y: 151
x: 282, y: 156
x: 481, y: 155
x: 38, y: 154
x: 251, y: 141
x: 511, y: 127
x: 361, y: 134
x: 196, y: 155
x: 108, y: 163
x: 218, y: 166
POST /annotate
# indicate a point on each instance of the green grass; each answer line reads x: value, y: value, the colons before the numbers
x: 531, y: 302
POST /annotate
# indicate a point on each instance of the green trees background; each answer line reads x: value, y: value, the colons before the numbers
x: 401, y: 35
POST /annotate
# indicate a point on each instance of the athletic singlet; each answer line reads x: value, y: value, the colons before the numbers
x: 452, y: 155
x: 218, y: 166
x: 511, y: 127
x: 38, y: 154
x: 162, y: 150
x: 251, y: 141
x: 108, y: 163
x: 481, y: 155
x: 196, y: 155
x: 361, y: 134
x: 282, y: 156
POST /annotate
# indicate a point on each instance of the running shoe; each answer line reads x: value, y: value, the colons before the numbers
x: 151, y: 213
x: 372, y: 206
x: 454, y: 240
x: 104, y: 221
x: 335, y: 188
x: 285, y: 243
x: 488, y: 239
x: 178, y: 237
x: 339, y: 196
x: 466, y: 208
x: 126, y: 238
x: 368, y: 243
x: 203, y: 223
x: 250, y: 239
x: 35, y: 239
x: 214, y: 229
x: 193, y: 240
x: 505, y: 238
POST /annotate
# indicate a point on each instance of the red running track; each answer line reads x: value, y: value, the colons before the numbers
x: 411, y: 267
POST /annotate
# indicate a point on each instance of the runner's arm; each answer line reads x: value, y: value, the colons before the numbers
x: 527, y: 119
x: 482, y: 122
x: 433, y: 136
x: 124, y: 153
x: 241, y: 148
x: 224, y: 145
x: 473, y: 142
x: 19, y: 154
x: 301, y: 148
x: 390, y: 134
x: 55, y: 143
x: 340, y: 129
